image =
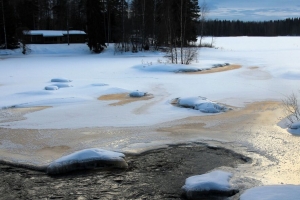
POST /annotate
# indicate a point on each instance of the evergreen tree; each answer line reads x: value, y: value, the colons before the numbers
x: 7, y: 25
x: 95, y: 25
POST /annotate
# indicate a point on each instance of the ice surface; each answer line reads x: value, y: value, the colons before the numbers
x: 62, y: 85
x: 273, y: 192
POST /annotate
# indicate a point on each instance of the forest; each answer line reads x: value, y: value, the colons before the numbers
x: 133, y: 25
x: 287, y: 27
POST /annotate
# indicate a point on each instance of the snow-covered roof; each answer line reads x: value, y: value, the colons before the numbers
x: 53, y: 33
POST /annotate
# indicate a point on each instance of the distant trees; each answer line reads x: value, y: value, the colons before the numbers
x: 290, y: 26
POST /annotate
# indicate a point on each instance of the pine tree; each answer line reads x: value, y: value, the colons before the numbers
x: 95, y: 24
x: 7, y: 25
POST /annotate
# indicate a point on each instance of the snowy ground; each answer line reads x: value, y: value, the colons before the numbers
x: 72, y: 118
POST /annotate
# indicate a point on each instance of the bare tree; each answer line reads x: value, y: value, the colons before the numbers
x: 292, y: 109
x: 204, y: 11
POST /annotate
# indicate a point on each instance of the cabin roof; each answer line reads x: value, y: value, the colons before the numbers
x: 54, y: 33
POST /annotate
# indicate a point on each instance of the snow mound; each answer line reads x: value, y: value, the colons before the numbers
x: 137, y: 94
x: 273, y: 192
x: 167, y: 68
x: 51, y: 87
x: 62, y: 85
x: 215, y: 183
x: 220, y: 65
x: 295, y: 125
x: 294, y: 128
x: 202, y: 104
x: 87, y: 159
x: 60, y: 80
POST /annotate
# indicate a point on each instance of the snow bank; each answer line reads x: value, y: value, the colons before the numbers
x: 276, y: 192
x: 295, y: 125
x: 215, y: 183
x: 202, y: 104
x: 137, y: 94
x: 61, y: 80
x: 87, y: 159
x: 166, y: 68
x: 294, y: 128
x: 51, y: 87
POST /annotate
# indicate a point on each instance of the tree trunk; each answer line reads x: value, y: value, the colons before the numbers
x: 4, y: 28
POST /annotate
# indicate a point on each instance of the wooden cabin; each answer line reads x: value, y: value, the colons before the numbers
x: 54, y: 36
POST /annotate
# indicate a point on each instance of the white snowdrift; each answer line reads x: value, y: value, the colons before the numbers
x: 216, y: 181
x: 87, y: 159
x: 63, y: 80
x: 202, y: 104
x: 274, y: 192
x: 166, y: 68
x: 137, y: 94
x: 51, y: 87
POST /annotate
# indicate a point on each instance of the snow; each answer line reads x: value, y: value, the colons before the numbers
x: 273, y: 192
x: 137, y: 94
x: 202, y: 104
x: 51, y: 87
x: 213, y: 181
x: 87, y: 158
x: 24, y: 78
x: 60, y: 80
x: 165, y: 68
x: 62, y: 85
x: 269, y: 72
x: 295, y: 125
x: 53, y: 33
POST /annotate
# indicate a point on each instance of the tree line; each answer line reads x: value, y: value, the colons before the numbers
x: 287, y: 27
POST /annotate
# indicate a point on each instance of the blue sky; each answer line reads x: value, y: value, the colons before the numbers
x: 252, y: 10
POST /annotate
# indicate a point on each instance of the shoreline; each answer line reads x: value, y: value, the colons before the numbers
x: 155, y: 174
x: 251, y: 131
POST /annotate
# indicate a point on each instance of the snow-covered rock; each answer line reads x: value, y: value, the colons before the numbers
x: 295, y: 125
x: 87, y: 159
x: 273, y: 192
x: 63, y: 80
x: 202, y: 104
x: 51, y: 87
x: 213, y: 184
x: 137, y: 94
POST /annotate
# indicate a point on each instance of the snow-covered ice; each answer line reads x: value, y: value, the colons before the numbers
x: 269, y: 72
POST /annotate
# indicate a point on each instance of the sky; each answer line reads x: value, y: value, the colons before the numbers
x: 252, y: 10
